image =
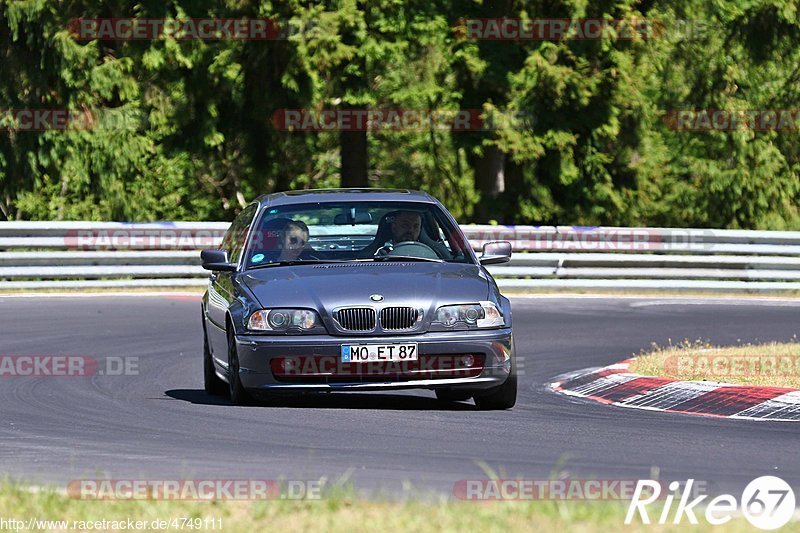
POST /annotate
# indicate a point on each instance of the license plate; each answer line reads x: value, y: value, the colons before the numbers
x: 364, y: 353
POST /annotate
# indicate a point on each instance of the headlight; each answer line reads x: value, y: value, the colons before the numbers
x: 480, y: 315
x: 283, y: 320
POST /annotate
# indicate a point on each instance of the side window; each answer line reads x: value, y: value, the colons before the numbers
x: 236, y: 236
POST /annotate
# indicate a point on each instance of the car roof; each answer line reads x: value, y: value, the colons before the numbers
x: 345, y: 195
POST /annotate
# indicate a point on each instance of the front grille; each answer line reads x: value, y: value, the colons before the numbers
x: 356, y: 319
x: 396, y: 318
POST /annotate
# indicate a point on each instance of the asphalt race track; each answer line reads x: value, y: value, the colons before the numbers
x: 160, y: 424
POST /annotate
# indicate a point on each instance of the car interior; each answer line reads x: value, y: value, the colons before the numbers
x: 337, y: 237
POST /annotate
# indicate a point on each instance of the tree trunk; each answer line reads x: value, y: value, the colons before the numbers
x: 353, y: 153
x: 490, y: 181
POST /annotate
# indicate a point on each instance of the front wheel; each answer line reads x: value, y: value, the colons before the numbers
x: 502, y: 397
x: 239, y: 395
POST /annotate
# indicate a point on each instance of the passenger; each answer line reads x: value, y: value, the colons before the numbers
x: 293, y: 240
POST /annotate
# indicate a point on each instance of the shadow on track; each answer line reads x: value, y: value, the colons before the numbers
x: 334, y: 400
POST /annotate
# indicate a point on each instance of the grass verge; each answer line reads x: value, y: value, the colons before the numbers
x: 336, y: 512
x: 771, y: 364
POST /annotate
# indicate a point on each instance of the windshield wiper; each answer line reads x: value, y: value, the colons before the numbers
x: 406, y: 258
x: 296, y: 262
x: 382, y: 258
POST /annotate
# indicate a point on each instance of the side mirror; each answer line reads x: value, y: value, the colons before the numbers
x: 216, y: 259
x: 495, y: 252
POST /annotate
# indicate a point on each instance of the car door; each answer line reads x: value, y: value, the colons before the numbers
x: 220, y: 286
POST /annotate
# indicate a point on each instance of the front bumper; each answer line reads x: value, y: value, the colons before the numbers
x: 494, y: 348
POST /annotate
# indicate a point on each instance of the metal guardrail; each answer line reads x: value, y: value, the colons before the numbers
x: 55, y: 255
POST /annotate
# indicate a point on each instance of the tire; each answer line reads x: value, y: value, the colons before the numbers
x: 450, y: 395
x: 502, y: 397
x: 238, y: 394
x: 213, y: 385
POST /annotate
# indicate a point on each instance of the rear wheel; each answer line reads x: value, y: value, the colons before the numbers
x: 450, y: 395
x: 213, y: 385
x: 502, y: 397
x: 239, y: 395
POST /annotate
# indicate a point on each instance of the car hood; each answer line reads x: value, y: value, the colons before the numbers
x: 327, y: 286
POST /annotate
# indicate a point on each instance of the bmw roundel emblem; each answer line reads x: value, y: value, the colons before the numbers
x: 376, y: 297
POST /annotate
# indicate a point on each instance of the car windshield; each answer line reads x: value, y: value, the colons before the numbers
x: 355, y: 231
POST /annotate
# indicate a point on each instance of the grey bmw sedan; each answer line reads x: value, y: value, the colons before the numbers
x: 354, y: 290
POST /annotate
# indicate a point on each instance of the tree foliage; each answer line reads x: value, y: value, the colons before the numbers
x: 185, y: 127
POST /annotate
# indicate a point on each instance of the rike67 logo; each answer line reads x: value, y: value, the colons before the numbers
x: 767, y: 502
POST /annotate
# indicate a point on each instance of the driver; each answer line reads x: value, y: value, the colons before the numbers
x: 407, y: 226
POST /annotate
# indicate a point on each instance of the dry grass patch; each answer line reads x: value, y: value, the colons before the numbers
x: 771, y: 364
